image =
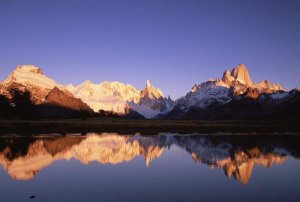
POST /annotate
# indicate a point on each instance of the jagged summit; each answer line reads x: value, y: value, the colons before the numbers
x: 148, y: 84
x: 241, y: 74
x: 120, y: 98
x: 151, y: 91
x: 227, y: 78
x: 152, y: 102
x: 217, y: 92
x: 239, y: 79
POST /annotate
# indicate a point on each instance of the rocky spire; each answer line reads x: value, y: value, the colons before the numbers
x: 151, y: 91
x: 148, y: 84
x: 227, y: 78
x: 241, y: 74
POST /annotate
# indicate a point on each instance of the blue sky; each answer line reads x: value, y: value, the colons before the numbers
x: 174, y: 43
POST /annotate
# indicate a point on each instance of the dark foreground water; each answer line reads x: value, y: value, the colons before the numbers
x: 166, y: 167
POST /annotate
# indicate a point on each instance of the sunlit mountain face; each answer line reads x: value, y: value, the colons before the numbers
x: 23, y: 158
x: 233, y: 96
x: 88, y: 97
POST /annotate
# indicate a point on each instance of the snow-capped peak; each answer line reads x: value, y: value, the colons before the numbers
x: 219, y: 91
x: 119, y: 97
x: 29, y: 78
x: 109, y: 96
x: 205, y: 94
x: 70, y: 87
x: 30, y: 75
x: 29, y: 68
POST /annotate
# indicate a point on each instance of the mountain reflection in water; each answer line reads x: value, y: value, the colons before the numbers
x: 22, y: 158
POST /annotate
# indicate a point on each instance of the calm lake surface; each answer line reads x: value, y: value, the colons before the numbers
x: 165, y: 167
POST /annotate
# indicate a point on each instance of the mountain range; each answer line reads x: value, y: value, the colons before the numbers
x: 234, y: 96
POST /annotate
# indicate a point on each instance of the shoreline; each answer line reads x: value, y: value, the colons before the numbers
x: 151, y: 127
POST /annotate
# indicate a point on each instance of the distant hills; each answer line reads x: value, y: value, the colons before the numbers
x: 28, y: 93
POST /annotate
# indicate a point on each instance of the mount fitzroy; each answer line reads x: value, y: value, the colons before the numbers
x: 234, y: 96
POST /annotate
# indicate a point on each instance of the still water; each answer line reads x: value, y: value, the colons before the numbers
x: 164, y: 167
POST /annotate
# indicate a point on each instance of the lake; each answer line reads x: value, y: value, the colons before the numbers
x: 163, y: 167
